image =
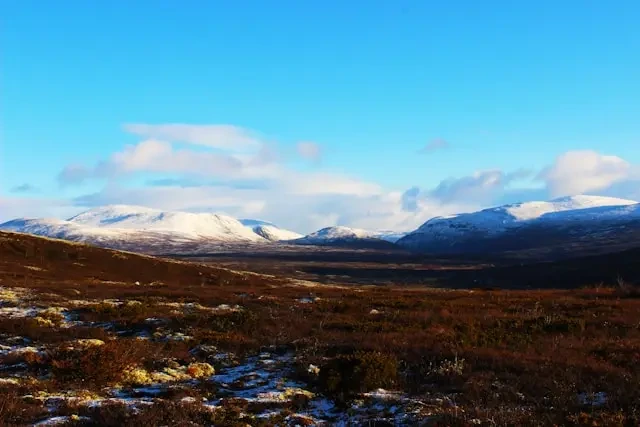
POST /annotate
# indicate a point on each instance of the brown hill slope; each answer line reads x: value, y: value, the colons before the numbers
x: 38, y: 262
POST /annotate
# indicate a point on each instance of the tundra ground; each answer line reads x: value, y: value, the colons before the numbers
x: 96, y: 337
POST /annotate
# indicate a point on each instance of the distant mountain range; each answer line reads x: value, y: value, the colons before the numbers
x: 541, y: 229
x: 558, y: 227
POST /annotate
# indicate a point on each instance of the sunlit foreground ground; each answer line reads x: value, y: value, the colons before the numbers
x: 95, y: 337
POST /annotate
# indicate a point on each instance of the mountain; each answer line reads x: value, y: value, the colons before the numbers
x: 61, y: 229
x: 346, y: 237
x: 142, y: 229
x: 191, y: 225
x: 337, y: 233
x: 329, y: 234
x: 389, y: 236
x: 269, y: 230
x: 565, y: 227
x: 557, y: 227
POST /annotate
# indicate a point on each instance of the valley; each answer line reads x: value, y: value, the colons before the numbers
x: 90, y: 336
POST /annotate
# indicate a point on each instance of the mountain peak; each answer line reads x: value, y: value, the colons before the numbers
x: 193, y: 225
x: 476, y: 229
x: 584, y: 199
x: 339, y: 232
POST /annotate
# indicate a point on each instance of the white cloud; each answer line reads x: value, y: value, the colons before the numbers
x: 303, y: 212
x: 578, y: 172
x: 315, y: 183
x: 32, y: 207
x: 479, y: 187
x: 226, y: 137
x: 309, y: 150
x: 159, y: 156
x: 234, y: 172
x: 162, y: 157
x: 385, y: 212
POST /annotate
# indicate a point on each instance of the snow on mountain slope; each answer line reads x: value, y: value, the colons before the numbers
x: 113, y: 214
x: 388, y: 236
x: 341, y: 233
x: 533, y: 210
x: 275, y: 234
x: 329, y: 234
x: 496, y: 220
x: 119, y: 225
x: 193, y: 225
x: 340, y: 236
x: 600, y: 213
x: 470, y: 230
x: 269, y: 230
x: 62, y: 229
x: 134, y: 226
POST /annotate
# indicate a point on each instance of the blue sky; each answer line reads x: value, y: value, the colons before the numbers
x: 509, y: 88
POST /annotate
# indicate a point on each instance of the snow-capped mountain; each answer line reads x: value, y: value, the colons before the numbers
x: 340, y: 233
x: 496, y: 220
x: 347, y: 236
x: 523, y: 225
x: 147, y: 230
x: 61, y: 229
x: 564, y: 225
x: 150, y: 230
x: 192, y: 225
x: 329, y: 234
x: 269, y: 230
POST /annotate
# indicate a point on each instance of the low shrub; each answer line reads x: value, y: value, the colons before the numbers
x: 97, y: 366
x: 345, y: 376
x: 14, y: 410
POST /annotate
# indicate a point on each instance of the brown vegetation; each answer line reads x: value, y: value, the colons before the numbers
x: 505, y: 357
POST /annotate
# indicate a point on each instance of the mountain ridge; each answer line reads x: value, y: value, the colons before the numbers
x: 527, y: 225
x: 512, y: 227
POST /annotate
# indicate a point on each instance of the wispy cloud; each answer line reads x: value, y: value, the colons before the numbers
x: 309, y: 150
x: 435, y: 144
x: 74, y: 174
x: 25, y: 188
x: 227, y: 137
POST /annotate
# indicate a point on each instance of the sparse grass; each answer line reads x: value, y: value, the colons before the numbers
x: 503, y: 357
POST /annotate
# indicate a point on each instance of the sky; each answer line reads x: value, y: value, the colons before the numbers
x: 367, y: 114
